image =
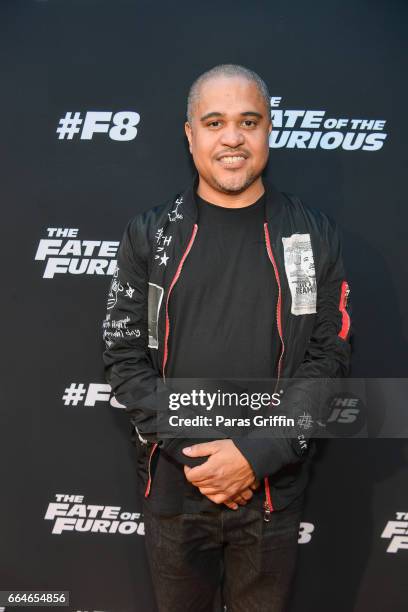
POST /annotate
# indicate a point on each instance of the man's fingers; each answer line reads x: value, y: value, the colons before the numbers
x: 255, y: 485
x: 231, y: 504
x: 199, y: 475
x: 239, y: 500
x: 208, y: 490
x: 207, y: 481
x: 242, y: 497
x: 228, y: 502
x: 234, y: 502
x: 246, y: 494
x: 201, y: 450
x: 200, y: 482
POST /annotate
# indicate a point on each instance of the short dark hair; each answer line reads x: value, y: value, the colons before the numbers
x: 227, y: 70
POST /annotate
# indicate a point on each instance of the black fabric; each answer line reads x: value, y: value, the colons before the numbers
x: 317, y: 344
x: 253, y: 561
x: 226, y: 278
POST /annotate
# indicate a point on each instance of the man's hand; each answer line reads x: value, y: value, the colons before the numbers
x: 226, y: 477
x: 242, y: 498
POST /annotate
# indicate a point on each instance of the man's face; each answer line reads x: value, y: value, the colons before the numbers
x: 229, y: 134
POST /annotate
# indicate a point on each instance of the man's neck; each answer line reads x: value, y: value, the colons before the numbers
x: 234, y: 200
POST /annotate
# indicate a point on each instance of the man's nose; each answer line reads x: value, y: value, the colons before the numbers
x: 232, y: 136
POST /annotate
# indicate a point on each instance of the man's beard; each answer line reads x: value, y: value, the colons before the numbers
x: 239, y: 188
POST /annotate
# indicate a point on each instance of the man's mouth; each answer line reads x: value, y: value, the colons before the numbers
x: 232, y: 161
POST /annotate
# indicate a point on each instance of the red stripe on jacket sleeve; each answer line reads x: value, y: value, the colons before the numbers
x: 345, y: 317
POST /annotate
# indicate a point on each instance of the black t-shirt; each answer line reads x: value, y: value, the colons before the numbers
x: 223, y: 307
x: 222, y: 314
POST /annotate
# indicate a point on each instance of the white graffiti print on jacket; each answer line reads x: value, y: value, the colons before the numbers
x: 175, y: 215
x: 162, y: 242
x: 117, y: 287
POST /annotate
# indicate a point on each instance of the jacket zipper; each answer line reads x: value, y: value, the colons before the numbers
x: 173, y: 282
x: 149, y: 481
x: 268, y: 507
x: 278, y: 303
x: 165, y: 353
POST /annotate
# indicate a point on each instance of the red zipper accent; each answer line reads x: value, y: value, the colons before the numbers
x: 165, y: 354
x: 149, y: 482
x: 173, y: 282
x: 279, y: 302
x: 345, y: 317
x: 268, y: 506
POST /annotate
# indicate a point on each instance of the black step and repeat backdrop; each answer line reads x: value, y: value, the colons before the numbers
x: 93, y: 98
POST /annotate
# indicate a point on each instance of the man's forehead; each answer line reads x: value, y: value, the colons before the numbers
x: 227, y: 91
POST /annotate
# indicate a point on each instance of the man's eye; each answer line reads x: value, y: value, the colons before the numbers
x: 246, y: 122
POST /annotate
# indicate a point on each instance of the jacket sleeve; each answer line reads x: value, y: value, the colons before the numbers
x: 327, y: 357
x: 135, y: 383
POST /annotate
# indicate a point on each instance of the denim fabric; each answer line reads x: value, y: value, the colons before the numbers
x: 235, y: 552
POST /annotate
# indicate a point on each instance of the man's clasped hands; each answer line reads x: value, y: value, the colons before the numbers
x: 226, y: 477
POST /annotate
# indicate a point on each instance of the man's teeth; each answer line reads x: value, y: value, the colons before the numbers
x: 231, y: 160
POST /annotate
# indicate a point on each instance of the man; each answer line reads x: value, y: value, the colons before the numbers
x: 229, y: 279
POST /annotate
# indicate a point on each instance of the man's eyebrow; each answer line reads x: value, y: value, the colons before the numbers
x: 252, y: 114
x: 212, y: 114
x: 218, y: 114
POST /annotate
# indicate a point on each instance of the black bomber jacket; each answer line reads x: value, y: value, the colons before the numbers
x: 313, y: 324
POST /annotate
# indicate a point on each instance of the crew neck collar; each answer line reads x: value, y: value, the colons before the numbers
x: 275, y: 202
x: 201, y: 202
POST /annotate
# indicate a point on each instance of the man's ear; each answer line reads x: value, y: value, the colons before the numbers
x: 270, y: 127
x: 187, y: 129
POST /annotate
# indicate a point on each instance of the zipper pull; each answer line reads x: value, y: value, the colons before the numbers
x: 267, y: 512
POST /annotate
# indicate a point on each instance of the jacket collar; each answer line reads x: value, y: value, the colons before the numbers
x: 275, y: 202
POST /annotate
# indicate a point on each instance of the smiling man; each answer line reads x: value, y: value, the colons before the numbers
x: 229, y: 279
x: 230, y: 142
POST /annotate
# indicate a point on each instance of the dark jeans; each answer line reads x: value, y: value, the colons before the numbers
x: 252, y: 561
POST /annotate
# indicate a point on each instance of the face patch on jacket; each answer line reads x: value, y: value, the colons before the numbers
x: 155, y: 298
x: 300, y: 272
